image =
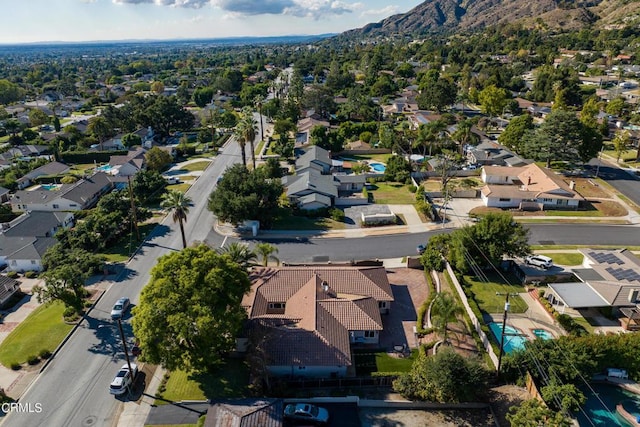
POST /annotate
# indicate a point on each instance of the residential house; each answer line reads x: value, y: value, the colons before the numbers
x: 262, y: 412
x: 608, y: 278
x: 4, y: 195
x: 80, y: 195
x: 349, y: 183
x: 422, y: 118
x: 304, y: 127
x: 311, y: 190
x: 315, y: 158
x: 526, y: 187
x: 492, y: 153
x: 52, y: 168
x: 307, y: 318
x: 8, y: 287
x: 128, y: 164
x: 24, y: 151
x: 24, y: 240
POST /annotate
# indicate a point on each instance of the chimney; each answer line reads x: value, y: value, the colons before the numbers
x: 325, y: 286
x: 572, y: 184
x: 529, y: 180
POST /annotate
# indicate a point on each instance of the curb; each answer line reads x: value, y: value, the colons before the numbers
x: 64, y: 341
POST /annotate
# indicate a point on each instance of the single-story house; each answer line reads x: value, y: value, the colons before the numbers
x: 52, y: 168
x: 492, y: 153
x: 422, y: 118
x: 24, y: 253
x: 609, y: 278
x: 129, y: 164
x: 307, y: 318
x: 304, y: 127
x: 308, y: 183
x: 316, y: 158
x: 38, y: 224
x: 249, y: 412
x: 526, y: 187
x: 8, y: 287
x: 4, y: 194
x: 24, y: 151
x: 80, y: 195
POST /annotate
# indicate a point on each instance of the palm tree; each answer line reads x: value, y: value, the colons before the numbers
x: 258, y: 102
x: 178, y: 203
x: 239, y: 134
x: 445, y: 309
x: 248, y: 128
x: 265, y: 250
x: 240, y: 254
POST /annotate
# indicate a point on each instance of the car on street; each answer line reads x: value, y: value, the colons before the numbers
x: 539, y: 261
x: 123, y: 379
x: 420, y: 249
x: 119, y: 308
x: 306, y: 413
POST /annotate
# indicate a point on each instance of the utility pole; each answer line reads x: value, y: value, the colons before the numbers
x: 133, y: 208
x: 126, y: 352
x: 504, y: 325
x: 600, y: 161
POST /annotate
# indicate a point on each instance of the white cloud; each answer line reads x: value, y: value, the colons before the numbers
x: 385, y: 11
x: 302, y: 8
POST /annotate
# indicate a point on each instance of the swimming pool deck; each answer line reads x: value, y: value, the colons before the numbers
x: 624, y: 383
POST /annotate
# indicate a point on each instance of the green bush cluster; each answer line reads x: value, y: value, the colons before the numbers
x: 12, y: 274
x: 425, y: 208
x: 15, y: 366
x: 44, y: 354
x: 31, y: 274
x: 33, y: 360
x: 336, y: 214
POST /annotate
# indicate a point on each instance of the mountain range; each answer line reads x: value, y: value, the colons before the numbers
x: 437, y: 16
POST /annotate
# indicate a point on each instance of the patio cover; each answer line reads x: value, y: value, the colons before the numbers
x: 578, y: 295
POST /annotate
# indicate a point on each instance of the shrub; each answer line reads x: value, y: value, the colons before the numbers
x: 337, y: 215
x: 30, y: 274
x: 413, y: 188
x: 44, y: 354
x: 33, y: 360
x: 16, y: 366
x: 541, y: 293
x: 12, y: 274
x: 69, y: 312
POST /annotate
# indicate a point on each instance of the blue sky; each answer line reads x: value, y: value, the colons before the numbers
x: 84, y: 20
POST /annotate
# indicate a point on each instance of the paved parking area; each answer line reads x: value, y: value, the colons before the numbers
x: 340, y: 415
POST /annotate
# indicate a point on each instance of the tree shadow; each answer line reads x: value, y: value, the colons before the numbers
x: 108, y: 335
x: 230, y: 379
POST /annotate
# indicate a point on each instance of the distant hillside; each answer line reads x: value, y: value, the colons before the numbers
x: 466, y: 15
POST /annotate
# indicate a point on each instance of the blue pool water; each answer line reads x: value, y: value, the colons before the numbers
x: 49, y: 187
x: 104, y: 168
x: 378, y: 167
x: 543, y: 333
x: 514, y: 338
x: 600, y: 408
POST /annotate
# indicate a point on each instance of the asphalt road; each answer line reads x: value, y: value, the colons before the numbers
x: 622, y: 181
x: 74, y: 389
x: 314, y: 249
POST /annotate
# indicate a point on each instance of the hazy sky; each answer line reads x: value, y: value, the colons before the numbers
x: 82, y: 20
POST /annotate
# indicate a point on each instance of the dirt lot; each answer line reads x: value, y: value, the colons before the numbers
x: 387, y: 417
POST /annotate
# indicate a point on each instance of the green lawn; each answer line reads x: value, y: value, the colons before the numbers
x: 391, y: 193
x: 485, y: 293
x: 231, y: 380
x: 259, y: 147
x: 182, y: 187
x: 122, y: 250
x: 564, y: 258
x: 368, y: 361
x: 43, y: 329
x: 287, y: 221
x: 383, y: 158
x: 554, y: 247
x: 196, y: 166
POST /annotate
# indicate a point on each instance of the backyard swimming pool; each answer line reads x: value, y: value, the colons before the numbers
x: 378, y: 167
x: 104, y: 168
x: 49, y: 187
x: 543, y: 333
x: 600, y: 407
x: 514, y: 338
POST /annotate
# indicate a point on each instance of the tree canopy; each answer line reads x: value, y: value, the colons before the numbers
x: 242, y: 194
x: 189, y: 312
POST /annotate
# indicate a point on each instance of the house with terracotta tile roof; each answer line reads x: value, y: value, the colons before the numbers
x: 309, y: 317
x: 527, y: 187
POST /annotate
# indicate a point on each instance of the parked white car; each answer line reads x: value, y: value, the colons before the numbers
x: 123, y: 379
x: 539, y: 261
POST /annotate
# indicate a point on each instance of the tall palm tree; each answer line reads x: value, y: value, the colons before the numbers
x: 266, y: 251
x: 240, y: 254
x: 178, y: 203
x: 258, y: 102
x: 445, y: 309
x: 248, y: 127
x: 239, y: 134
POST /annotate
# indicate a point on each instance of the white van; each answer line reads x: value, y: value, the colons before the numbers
x: 539, y: 261
x: 172, y: 180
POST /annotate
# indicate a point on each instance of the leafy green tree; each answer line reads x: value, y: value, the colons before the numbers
x: 157, y: 159
x: 178, y: 204
x: 240, y: 254
x: 616, y: 107
x: 514, y: 132
x: 436, y: 252
x: 531, y: 413
x: 64, y: 283
x: 438, y: 94
x: 620, y: 144
x: 272, y: 168
x: 10, y: 92
x: 131, y: 139
x: 148, y: 185
x: 56, y: 124
x: 244, y: 194
x: 190, y: 311
x: 164, y: 114
x: 563, y: 397
x: 445, y: 309
x: 202, y: 96
x: 558, y: 138
x: 446, y: 377
x: 493, y: 100
x: 37, y: 117
x: 266, y: 251
x: 398, y: 169
x: 100, y: 128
